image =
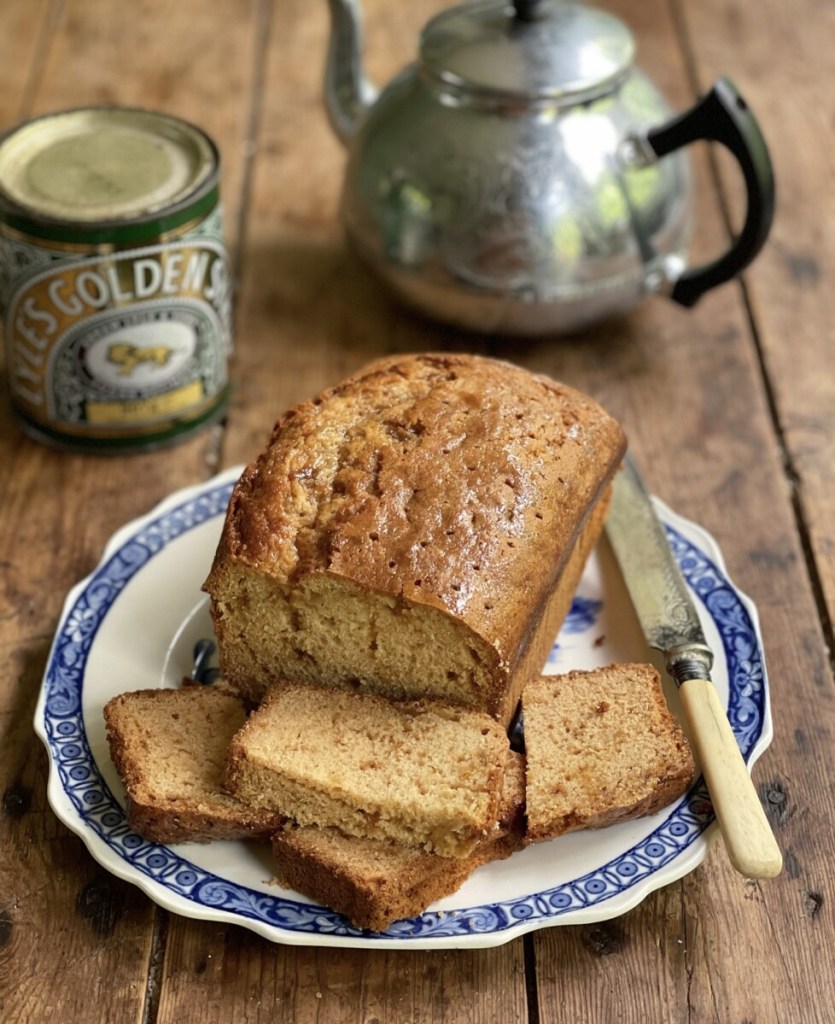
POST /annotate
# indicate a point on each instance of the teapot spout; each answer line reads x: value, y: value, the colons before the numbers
x: 348, y: 93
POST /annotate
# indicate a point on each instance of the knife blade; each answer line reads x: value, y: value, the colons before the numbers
x: 671, y: 625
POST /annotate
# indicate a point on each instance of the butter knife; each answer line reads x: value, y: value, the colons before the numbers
x: 671, y: 625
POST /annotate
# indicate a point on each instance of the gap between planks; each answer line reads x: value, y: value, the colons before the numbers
x: 156, y: 965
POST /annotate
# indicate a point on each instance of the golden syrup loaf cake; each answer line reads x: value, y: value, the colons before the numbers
x: 169, y: 748
x: 373, y: 882
x: 421, y: 773
x: 601, y: 746
x: 417, y: 531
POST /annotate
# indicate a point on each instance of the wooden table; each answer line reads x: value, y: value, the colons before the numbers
x: 730, y: 409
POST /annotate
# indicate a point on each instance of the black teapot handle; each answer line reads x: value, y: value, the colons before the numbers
x: 723, y: 116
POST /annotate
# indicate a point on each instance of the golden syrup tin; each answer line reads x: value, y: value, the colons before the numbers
x: 114, y: 280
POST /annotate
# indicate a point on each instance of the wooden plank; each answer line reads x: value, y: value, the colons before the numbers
x: 308, y: 313
x: 582, y: 971
x: 221, y: 974
x: 80, y: 939
x: 27, y: 28
x: 55, y: 904
x: 777, y: 60
x: 779, y: 56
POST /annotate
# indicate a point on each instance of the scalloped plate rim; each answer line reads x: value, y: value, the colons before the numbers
x: 686, y: 861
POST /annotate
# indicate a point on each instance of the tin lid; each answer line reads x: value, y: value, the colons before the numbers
x: 536, y: 49
x: 104, y: 164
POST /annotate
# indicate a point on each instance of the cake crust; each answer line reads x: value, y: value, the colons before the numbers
x: 374, y: 883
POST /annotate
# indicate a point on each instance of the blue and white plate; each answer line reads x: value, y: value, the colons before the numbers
x: 134, y: 623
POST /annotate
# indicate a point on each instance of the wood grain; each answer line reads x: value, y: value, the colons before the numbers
x: 729, y: 410
x: 308, y: 313
x: 779, y: 58
x: 216, y: 975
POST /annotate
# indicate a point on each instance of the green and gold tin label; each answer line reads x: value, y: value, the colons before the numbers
x: 121, y: 344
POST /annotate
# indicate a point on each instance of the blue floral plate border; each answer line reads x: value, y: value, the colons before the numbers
x: 85, y: 797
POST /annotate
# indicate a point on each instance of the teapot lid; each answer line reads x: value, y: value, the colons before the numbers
x: 538, y: 49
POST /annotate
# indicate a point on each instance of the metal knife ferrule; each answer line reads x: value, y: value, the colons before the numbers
x: 689, y: 661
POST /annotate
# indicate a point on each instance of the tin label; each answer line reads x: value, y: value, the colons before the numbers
x: 120, y: 344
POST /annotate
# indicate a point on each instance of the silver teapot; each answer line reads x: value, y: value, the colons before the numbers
x: 523, y: 176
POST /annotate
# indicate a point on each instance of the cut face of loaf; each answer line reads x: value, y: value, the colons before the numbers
x: 169, y: 748
x: 418, y: 773
x: 601, y: 747
x: 373, y: 882
x: 416, y: 531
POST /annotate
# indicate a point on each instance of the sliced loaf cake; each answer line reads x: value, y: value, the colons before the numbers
x: 601, y: 747
x: 374, y: 882
x: 169, y: 748
x: 420, y: 773
x: 417, y: 530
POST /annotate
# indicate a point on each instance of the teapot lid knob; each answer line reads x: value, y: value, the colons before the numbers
x: 527, y: 10
x: 528, y: 49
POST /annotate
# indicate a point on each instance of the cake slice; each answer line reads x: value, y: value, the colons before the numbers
x: 421, y: 773
x: 601, y: 747
x: 374, y: 882
x: 169, y: 748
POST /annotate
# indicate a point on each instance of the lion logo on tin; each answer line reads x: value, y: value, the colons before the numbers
x: 127, y: 356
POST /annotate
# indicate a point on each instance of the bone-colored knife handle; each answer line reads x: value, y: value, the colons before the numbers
x: 749, y: 841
